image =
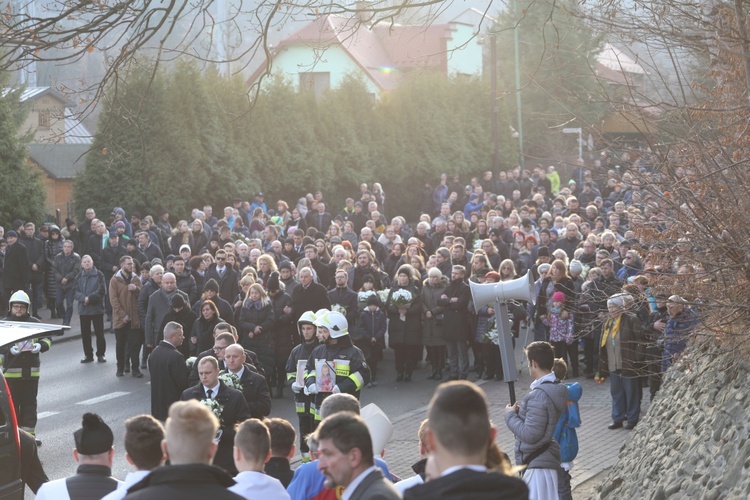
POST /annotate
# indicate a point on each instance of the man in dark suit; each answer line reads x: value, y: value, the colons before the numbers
x: 254, y: 386
x: 225, y: 276
x: 17, y: 268
x: 231, y: 406
x: 222, y: 339
x: 168, y: 371
x: 353, y: 467
x: 458, y: 437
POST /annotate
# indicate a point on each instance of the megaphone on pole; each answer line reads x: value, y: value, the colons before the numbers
x: 499, y: 294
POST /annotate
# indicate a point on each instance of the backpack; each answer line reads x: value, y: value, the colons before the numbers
x: 565, y: 432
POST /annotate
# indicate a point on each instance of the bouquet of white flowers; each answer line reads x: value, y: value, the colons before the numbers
x: 230, y: 380
x: 402, y: 298
x: 383, y: 296
x: 364, y: 295
x: 190, y: 361
x: 213, y: 405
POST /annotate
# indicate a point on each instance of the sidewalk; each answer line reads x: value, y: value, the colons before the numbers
x: 598, y: 446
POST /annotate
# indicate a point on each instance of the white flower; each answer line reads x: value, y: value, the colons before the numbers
x: 383, y: 295
x: 401, y: 298
x: 213, y: 405
x: 230, y: 380
x: 339, y: 308
x: 190, y: 361
x: 364, y: 295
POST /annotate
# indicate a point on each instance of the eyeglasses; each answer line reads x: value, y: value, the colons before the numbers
x: 218, y: 348
x: 221, y: 258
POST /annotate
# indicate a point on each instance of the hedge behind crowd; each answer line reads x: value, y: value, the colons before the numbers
x: 188, y: 137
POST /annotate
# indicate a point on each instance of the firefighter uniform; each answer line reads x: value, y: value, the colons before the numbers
x: 352, y: 372
x: 20, y: 363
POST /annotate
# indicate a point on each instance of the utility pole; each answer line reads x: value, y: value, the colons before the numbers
x: 519, y: 126
x: 493, y: 79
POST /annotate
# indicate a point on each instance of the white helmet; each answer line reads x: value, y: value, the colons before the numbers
x: 320, y: 312
x: 307, y: 317
x: 19, y: 297
x: 335, y: 322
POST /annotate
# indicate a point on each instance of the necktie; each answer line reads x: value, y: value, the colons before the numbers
x: 209, y: 393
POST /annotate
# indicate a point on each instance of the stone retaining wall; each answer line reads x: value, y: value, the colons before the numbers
x: 695, y: 440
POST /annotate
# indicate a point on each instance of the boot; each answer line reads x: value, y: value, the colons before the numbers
x: 434, y: 374
x: 400, y: 377
x: 439, y: 375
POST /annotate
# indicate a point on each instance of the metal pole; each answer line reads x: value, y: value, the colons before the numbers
x: 518, y: 87
x: 495, y: 131
x: 505, y: 341
x: 580, y: 143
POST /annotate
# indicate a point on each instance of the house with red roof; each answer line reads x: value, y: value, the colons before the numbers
x: 325, y: 51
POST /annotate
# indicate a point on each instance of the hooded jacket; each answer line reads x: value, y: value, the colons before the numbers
x: 535, y: 422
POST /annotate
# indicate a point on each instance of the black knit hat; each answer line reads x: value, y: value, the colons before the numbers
x: 94, y: 437
x: 177, y: 301
x: 211, y: 285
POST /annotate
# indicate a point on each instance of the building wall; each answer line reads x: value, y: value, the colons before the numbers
x: 335, y: 60
x: 56, y: 109
x: 58, y: 192
x: 464, y: 59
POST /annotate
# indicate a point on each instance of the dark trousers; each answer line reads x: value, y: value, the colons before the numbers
x: 127, y: 347
x: 306, y: 427
x: 97, y: 322
x: 65, y: 303
x: 569, y: 353
x: 24, y: 399
x: 591, y: 352
x: 436, y: 356
x: 493, y: 363
x: 37, y: 289
x: 407, y: 356
x: 626, y: 397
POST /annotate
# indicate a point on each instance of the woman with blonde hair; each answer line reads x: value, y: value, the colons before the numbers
x: 245, y: 283
x: 254, y: 321
x: 181, y: 235
x: 266, y: 265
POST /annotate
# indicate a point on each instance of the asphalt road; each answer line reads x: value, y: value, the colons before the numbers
x: 69, y: 389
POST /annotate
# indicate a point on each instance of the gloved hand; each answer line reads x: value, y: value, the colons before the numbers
x: 37, y: 348
x: 296, y: 387
x: 336, y: 389
x: 311, y: 389
x: 15, y: 350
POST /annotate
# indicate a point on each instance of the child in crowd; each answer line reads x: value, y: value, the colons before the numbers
x: 565, y: 432
x: 561, y: 331
x: 370, y: 337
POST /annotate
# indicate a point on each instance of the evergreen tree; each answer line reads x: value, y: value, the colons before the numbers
x: 21, y: 192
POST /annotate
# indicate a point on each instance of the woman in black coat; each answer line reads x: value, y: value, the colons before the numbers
x: 404, y: 325
x: 202, y: 335
x: 284, y: 333
x: 255, y: 327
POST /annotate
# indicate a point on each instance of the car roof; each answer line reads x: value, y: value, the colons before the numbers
x: 14, y: 331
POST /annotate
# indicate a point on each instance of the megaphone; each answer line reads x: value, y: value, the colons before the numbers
x: 518, y: 289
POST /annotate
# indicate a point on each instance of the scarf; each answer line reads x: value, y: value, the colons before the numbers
x: 611, y: 327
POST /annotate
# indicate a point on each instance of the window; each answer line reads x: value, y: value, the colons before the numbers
x: 44, y: 118
x: 314, y: 82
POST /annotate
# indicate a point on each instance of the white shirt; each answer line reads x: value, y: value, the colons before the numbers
x: 404, y: 485
x: 54, y: 490
x: 130, y: 480
x: 214, y: 390
x: 239, y: 373
x: 451, y: 470
x: 252, y: 484
x: 353, y: 485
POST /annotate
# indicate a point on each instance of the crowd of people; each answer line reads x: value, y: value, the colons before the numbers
x: 262, y: 300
